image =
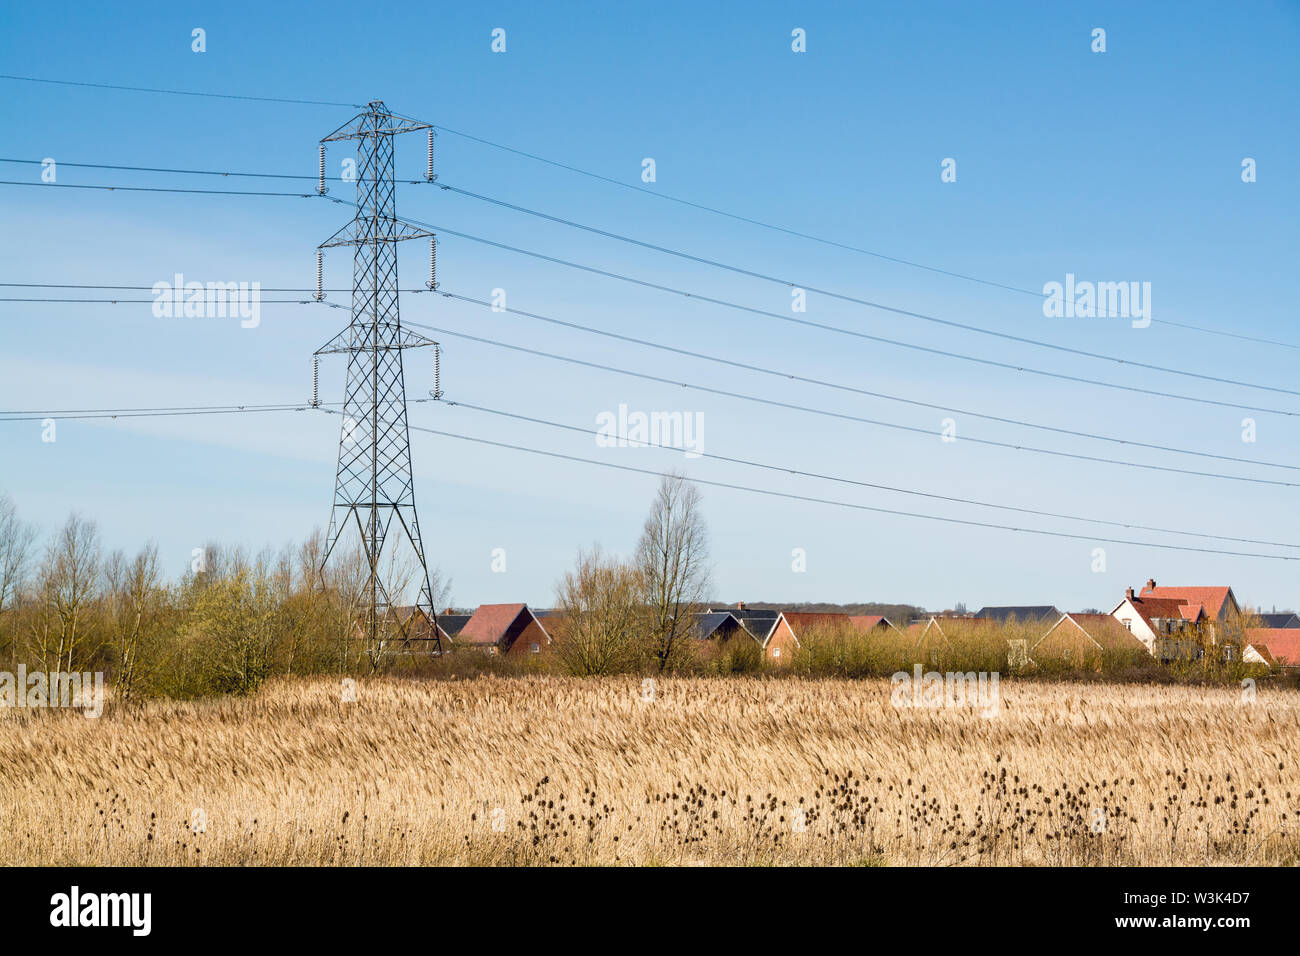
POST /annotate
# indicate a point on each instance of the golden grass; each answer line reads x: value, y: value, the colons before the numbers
x: 709, y: 771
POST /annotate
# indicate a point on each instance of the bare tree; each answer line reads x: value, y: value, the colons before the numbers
x: 68, y: 585
x: 16, y: 537
x: 134, y: 604
x: 600, y: 602
x: 673, y: 559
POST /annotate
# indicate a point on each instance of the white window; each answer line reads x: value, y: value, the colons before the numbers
x: 492, y: 649
x: 535, y: 647
x: 1066, y: 654
x: 1128, y: 624
x: 776, y: 652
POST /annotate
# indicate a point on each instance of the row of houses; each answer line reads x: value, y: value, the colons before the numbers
x: 1166, y: 623
x: 1160, y: 622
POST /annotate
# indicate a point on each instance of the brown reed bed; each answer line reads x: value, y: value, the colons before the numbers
x: 564, y: 771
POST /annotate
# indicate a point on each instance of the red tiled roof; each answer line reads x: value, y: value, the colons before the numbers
x: 1282, y: 643
x: 1211, y: 598
x: 1262, y: 650
x: 1108, y: 632
x: 868, y: 621
x: 801, y: 619
x: 1162, y: 607
x: 489, y: 623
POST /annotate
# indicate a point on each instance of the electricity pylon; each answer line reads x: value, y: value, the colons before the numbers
x: 374, y: 484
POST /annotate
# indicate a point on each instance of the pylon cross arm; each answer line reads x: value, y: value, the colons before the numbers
x: 354, y: 234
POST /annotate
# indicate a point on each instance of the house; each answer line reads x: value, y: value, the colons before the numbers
x: 1258, y: 654
x: 872, y: 622
x: 1032, y: 612
x: 1275, y: 646
x: 1176, y: 623
x: 783, y: 640
x: 757, y: 621
x: 504, y: 629
x: 1284, y: 619
x: 1087, y: 640
x: 450, y: 624
x: 717, y: 625
x: 935, y: 635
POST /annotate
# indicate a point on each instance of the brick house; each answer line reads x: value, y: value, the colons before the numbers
x: 1278, y: 647
x: 938, y: 634
x: 504, y: 629
x: 1177, y: 623
x: 873, y: 622
x: 1086, y: 640
x: 757, y: 622
x: 783, y: 640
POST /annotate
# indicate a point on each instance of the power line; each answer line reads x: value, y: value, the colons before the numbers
x: 831, y: 328
x: 74, y: 414
x: 140, y: 288
x: 732, y: 363
x: 746, y: 366
x: 69, y: 414
x: 737, y: 216
x: 830, y: 242
x: 27, y: 415
x: 827, y: 242
x: 143, y: 301
x: 840, y: 330
x: 845, y: 504
x: 158, y: 189
x: 163, y: 169
x: 149, y: 89
x: 785, y: 469
x: 185, y: 172
x: 844, y: 416
x: 842, y: 297
x: 838, y: 386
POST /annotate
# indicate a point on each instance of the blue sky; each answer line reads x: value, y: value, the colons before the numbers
x: 1117, y: 166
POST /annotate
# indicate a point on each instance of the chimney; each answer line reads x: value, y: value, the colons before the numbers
x: 1151, y: 584
x: 740, y: 605
x: 449, y: 611
x: 1128, y: 594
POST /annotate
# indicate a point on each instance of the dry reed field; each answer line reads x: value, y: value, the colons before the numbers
x: 552, y: 770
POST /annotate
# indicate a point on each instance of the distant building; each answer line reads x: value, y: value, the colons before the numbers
x: 872, y: 622
x: 504, y: 629
x: 1285, y: 619
x: 1176, y: 623
x: 1275, y: 646
x: 1086, y: 640
x: 932, y: 635
x: 450, y: 624
x: 783, y: 639
x: 757, y: 621
x: 717, y: 625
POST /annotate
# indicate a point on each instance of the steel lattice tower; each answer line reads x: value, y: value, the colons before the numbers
x: 374, y: 484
